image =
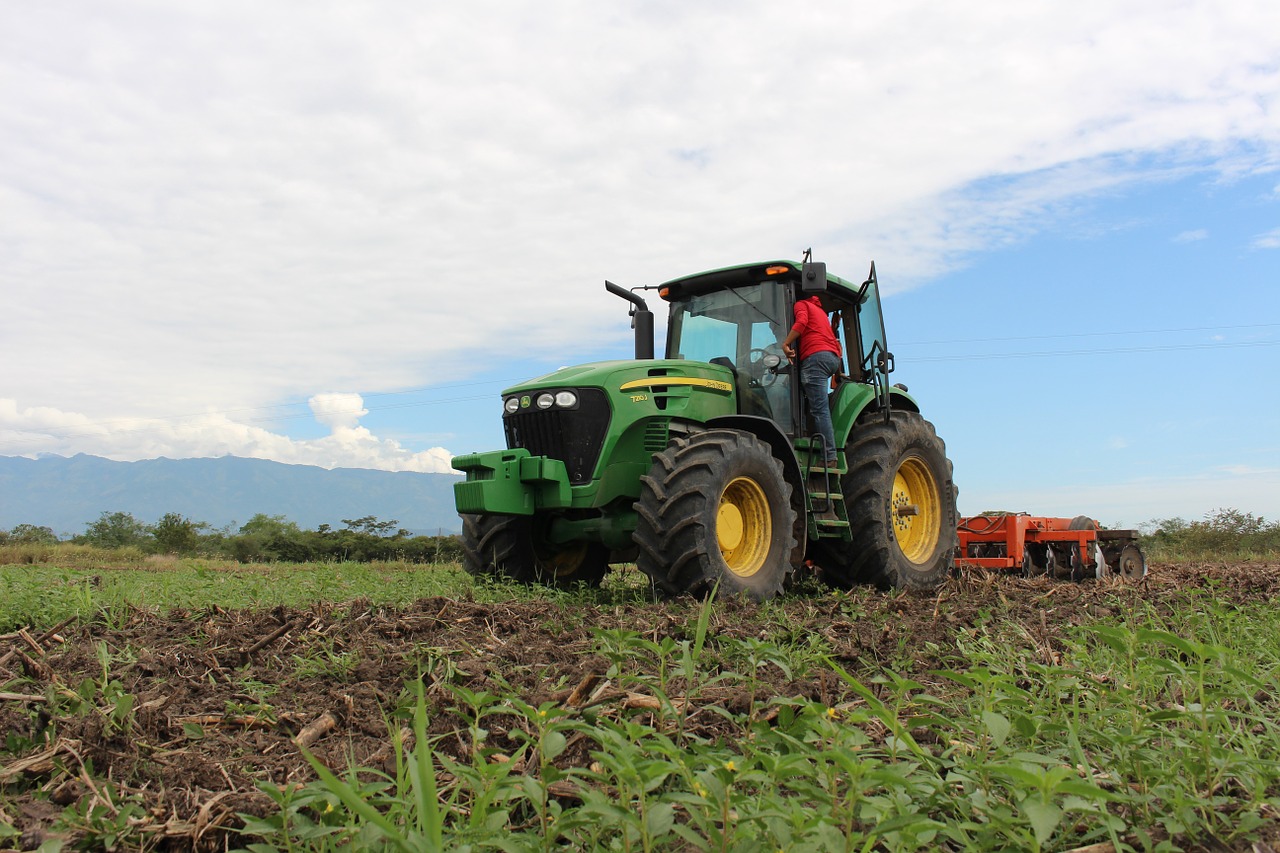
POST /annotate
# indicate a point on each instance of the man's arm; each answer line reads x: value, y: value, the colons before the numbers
x: 788, y: 345
x: 797, y: 329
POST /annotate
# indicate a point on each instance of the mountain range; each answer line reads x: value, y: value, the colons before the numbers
x: 66, y: 494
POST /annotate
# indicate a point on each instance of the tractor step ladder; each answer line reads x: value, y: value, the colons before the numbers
x: 822, y: 490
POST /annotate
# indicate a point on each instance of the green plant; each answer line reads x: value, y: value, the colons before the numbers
x: 326, y: 662
x: 105, y: 819
x: 411, y: 817
x: 304, y: 818
x: 102, y: 695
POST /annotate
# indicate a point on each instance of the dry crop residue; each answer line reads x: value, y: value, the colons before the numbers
x: 222, y: 698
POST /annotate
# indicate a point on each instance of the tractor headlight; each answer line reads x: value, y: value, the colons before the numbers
x: 512, y: 405
x: 566, y: 399
x: 544, y: 401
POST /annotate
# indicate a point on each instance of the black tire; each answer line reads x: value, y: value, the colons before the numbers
x: 716, y: 507
x: 506, y: 546
x: 890, y: 465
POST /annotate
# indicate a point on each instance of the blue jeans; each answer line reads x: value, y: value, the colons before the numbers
x: 815, y: 376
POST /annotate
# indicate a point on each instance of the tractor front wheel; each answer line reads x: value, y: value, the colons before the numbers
x: 510, y: 546
x: 716, y: 507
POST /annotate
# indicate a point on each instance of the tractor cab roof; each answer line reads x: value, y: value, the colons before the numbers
x: 744, y: 275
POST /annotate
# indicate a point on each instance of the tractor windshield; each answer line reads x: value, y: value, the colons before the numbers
x: 728, y: 323
x: 741, y: 328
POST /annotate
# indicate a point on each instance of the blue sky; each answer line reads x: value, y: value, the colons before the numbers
x: 1121, y: 365
x: 330, y: 235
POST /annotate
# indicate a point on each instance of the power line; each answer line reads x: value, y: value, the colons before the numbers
x: 1088, y: 335
x: 1074, y: 352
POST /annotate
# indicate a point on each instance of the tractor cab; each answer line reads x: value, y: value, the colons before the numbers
x: 738, y: 318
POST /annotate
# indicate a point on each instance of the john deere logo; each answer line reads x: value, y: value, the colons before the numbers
x: 525, y: 401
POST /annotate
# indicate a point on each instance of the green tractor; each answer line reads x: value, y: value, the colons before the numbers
x: 703, y: 468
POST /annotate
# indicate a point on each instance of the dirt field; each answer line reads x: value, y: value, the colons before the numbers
x: 220, y: 697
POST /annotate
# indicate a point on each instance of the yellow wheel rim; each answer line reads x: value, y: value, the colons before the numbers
x: 566, y: 562
x: 916, y: 510
x: 744, y: 527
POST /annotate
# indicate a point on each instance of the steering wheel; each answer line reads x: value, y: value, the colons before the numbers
x: 766, y: 359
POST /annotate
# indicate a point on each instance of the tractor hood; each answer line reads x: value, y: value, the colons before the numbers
x: 629, y: 377
x: 604, y: 420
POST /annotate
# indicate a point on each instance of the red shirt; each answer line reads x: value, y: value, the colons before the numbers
x: 814, y: 327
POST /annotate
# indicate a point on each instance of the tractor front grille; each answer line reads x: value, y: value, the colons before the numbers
x: 573, y: 436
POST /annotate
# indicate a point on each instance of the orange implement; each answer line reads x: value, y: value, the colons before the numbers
x: 1076, y: 547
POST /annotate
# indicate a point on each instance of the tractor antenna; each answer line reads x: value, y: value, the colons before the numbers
x: 808, y: 254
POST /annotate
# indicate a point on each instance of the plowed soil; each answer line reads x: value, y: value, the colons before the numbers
x: 221, y: 697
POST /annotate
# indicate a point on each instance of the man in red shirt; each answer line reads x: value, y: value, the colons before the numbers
x: 819, y: 360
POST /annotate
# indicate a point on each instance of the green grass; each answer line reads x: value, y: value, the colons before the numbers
x: 1182, y: 554
x: 1138, y: 736
x: 41, y: 595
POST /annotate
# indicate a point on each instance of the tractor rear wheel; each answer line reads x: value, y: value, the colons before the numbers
x: 715, y: 507
x: 509, y: 546
x: 902, y: 507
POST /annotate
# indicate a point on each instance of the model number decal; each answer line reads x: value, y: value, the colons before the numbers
x: 639, y: 398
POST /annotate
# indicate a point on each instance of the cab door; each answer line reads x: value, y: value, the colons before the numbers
x: 876, y: 362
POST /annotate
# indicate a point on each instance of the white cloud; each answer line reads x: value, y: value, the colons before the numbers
x: 1269, y: 240
x: 221, y: 206
x: 339, y: 412
x: 30, y: 431
x: 1248, y: 470
x: 1192, y: 236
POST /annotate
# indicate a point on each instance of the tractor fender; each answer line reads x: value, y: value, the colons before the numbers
x: 852, y: 400
x: 767, y: 431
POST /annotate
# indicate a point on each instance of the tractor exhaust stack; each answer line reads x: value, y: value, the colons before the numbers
x: 641, y: 319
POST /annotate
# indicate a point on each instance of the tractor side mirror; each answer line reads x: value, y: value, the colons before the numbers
x: 813, y: 277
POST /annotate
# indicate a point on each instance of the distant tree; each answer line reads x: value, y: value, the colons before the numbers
x: 1233, y: 522
x: 267, y: 525
x: 430, y: 549
x: 1224, y: 532
x: 30, y: 534
x: 115, y: 530
x: 370, y: 524
x: 270, y: 537
x: 177, y: 534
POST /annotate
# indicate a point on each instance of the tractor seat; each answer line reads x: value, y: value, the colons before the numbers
x: 725, y: 361
x: 751, y: 399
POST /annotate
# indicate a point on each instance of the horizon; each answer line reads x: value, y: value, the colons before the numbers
x: 1146, y: 526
